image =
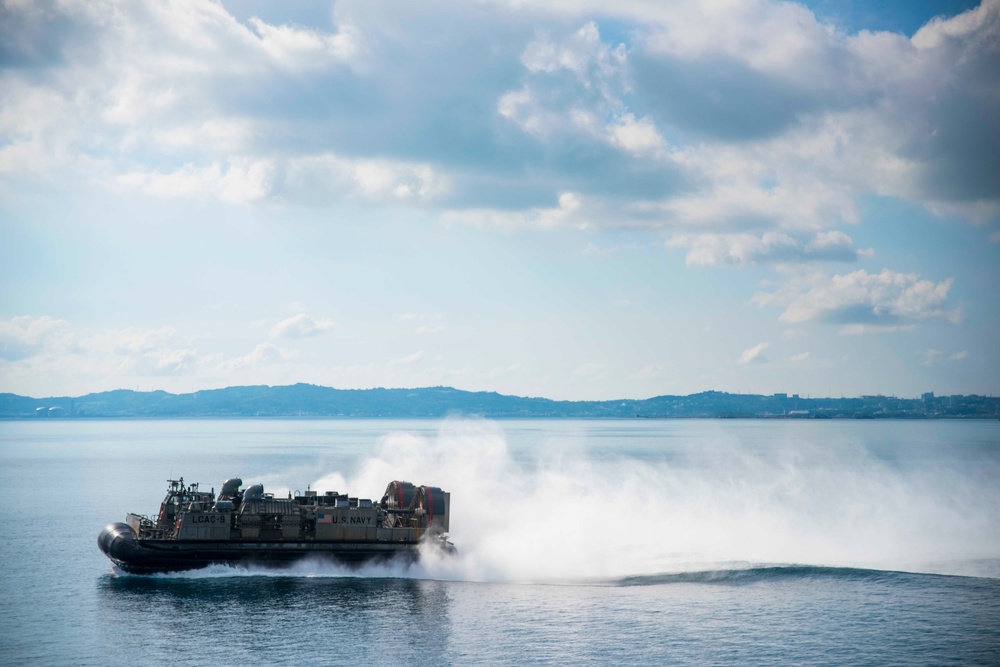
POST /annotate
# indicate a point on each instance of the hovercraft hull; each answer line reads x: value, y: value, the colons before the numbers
x: 158, y: 556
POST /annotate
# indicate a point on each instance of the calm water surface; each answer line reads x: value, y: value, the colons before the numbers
x: 581, y: 542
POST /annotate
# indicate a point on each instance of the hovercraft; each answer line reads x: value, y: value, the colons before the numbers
x: 195, y: 528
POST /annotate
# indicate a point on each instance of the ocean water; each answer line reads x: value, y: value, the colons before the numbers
x: 694, y: 542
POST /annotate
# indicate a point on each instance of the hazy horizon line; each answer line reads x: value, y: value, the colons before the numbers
x: 790, y: 395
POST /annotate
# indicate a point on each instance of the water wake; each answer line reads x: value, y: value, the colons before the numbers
x: 762, y: 573
x: 560, y: 514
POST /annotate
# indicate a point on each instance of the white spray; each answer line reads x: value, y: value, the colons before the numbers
x: 567, y: 516
x: 563, y: 515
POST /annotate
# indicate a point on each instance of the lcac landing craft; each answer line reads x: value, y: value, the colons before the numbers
x: 247, y: 526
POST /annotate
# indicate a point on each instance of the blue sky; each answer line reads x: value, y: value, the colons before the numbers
x: 550, y: 199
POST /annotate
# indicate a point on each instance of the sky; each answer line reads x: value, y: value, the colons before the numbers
x: 575, y: 200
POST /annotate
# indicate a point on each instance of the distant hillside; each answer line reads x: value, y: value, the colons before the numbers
x: 306, y: 400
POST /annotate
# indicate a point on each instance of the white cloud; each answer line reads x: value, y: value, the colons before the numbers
x: 565, y: 215
x: 774, y: 120
x: 135, y: 80
x: 863, y: 302
x: 301, y: 50
x: 742, y: 134
x: 263, y: 354
x: 779, y: 38
x: 830, y: 116
x: 24, y: 335
x: 770, y: 247
x: 242, y: 181
x: 165, y: 362
x: 542, y: 55
x: 35, y: 131
x: 933, y: 357
x: 408, y: 360
x: 651, y: 371
x: 595, y: 109
x: 754, y: 354
x: 327, y: 177
x: 581, y: 52
x: 141, y: 352
x: 324, y: 177
x: 42, y: 351
x: 856, y: 329
x: 300, y: 326
x: 636, y: 136
x: 519, y: 106
x: 833, y: 244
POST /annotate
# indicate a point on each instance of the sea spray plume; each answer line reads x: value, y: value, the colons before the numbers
x: 560, y: 510
x: 566, y: 515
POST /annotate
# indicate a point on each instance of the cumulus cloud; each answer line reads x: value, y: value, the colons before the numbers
x: 863, y: 302
x: 596, y: 107
x: 912, y: 109
x: 24, y: 336
x: 327, y: 177
x: 748, y: 132
x: 318, y: 178
x: 37, y: 351
x: 159, y: 69
x: 651, y: 371
x: 754, y: 354
x: 770, y: 247
x: 787, y: 132
x: 241, y: 181
x: 736, y: 134
x: 575, y: 91
x: 300, y: 326
x: 933, y: 357
x: 143, y: 352
x: 301, y: 49
x: 262, y: 355
x: 567, y: 214
x: 408, y: 360
x: 637, y: 136
x: 582, y: 53
x: 598, y: 67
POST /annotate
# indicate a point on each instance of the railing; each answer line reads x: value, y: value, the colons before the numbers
x: 148, y: 530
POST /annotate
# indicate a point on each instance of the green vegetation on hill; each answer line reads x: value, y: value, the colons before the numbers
x: 306, y: 400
